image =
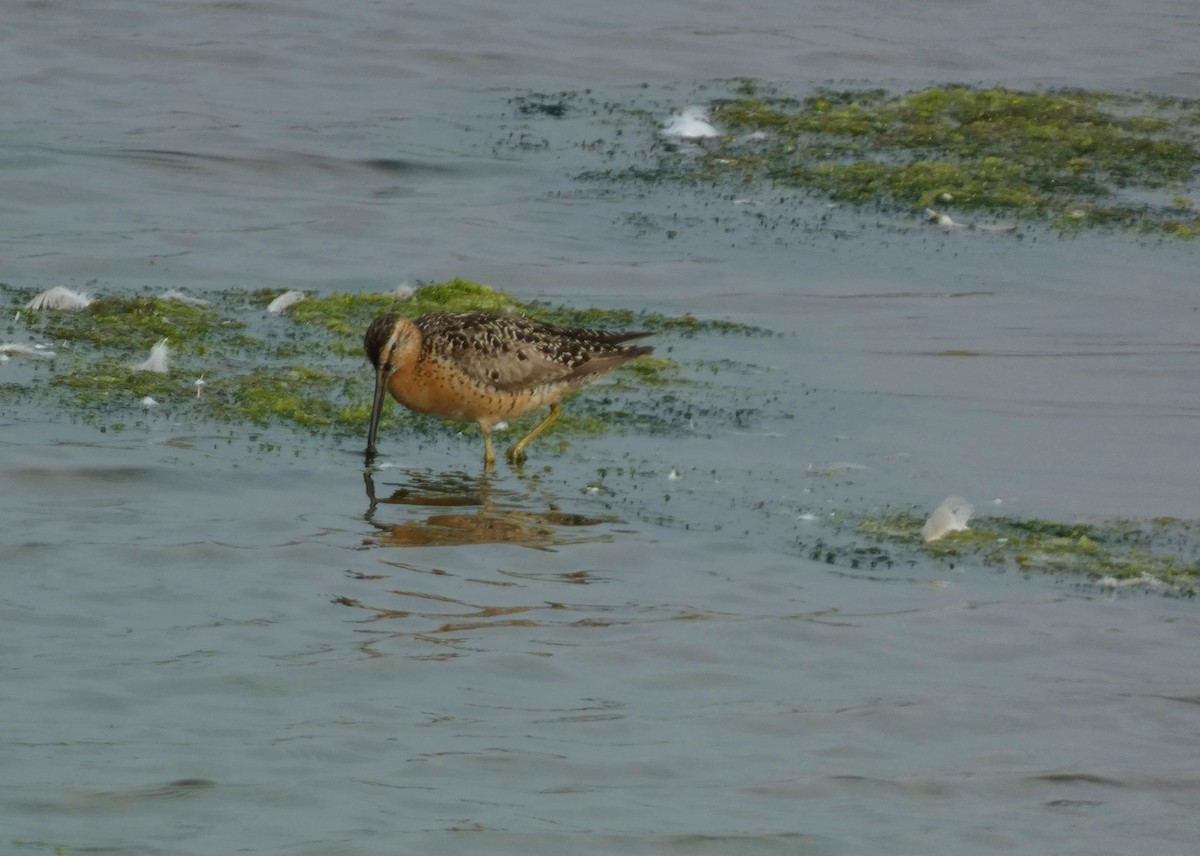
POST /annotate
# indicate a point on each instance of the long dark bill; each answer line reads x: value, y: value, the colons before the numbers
x: 381, y: 377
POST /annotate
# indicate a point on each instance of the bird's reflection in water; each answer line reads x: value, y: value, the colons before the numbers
x: 469, y: 509
x: 461, y: 605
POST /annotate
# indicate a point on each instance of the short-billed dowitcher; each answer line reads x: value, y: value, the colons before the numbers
x: 482, y: 367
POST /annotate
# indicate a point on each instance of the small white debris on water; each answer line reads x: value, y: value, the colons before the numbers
x: 500, y: 426
x: 284, y: 301
x: 592, y: 489
x: 807, y: 517
x: 199, y: 384
x: 942, y: 219
x: 59, y: 299
x: 149, y: 402
x: 1142, y: 580
x: 180, y: 297
x: 16, y: 349
x: 674, y: 475
x: 690, y: 124
x: 947, y: 222
x: 951, y: 516
x: 159, y: 359
x: 403, y: 291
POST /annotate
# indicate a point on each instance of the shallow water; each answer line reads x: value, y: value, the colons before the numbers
x: 235, y: 643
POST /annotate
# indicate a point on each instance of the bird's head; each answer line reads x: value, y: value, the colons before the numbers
x: 386, y: 340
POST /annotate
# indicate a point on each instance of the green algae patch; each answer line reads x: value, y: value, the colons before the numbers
x: 106, y: 382
x: 1161, y: 554
x: 348, y: 315
x: 624, y: 319
x: 652, y: 371
x: 133, y: 322
x: 1067, y: 156
x: 294, y: 394
x: 233, y: 363
x: 1071, y: 158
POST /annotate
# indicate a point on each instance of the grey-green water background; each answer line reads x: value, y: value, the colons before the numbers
x: 210, y: 643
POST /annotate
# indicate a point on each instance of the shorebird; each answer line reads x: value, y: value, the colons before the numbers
x: 483, y: 367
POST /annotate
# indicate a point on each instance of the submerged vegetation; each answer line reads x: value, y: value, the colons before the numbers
x: 136, y: 323
x: 348, y: 315
x: 233, y: 363
x: 1160, y: 555
x: 1071, y: 158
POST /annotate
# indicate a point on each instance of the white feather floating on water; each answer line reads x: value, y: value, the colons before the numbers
x: 159, y: 359
x: 690, y: 124
x: 284, y: 302
x: 59, y: 299
x: 948, y: 222
x: 951, y: 516
x: 943, y: 220
x: 16, y: 349
x: 149, y: 402
x: 180, y: 297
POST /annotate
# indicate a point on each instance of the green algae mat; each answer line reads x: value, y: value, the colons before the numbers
x: 1069, y: 159
x: 1160, y: 556
x: 231, y: 361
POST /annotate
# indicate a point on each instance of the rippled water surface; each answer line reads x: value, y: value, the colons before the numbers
x: 218, y: 643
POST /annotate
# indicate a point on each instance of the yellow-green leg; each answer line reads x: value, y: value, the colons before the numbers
x: 489, y: 453
x: 516, y: 452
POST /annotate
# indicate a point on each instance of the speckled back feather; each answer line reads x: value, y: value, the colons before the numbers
x: 511, y: 353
